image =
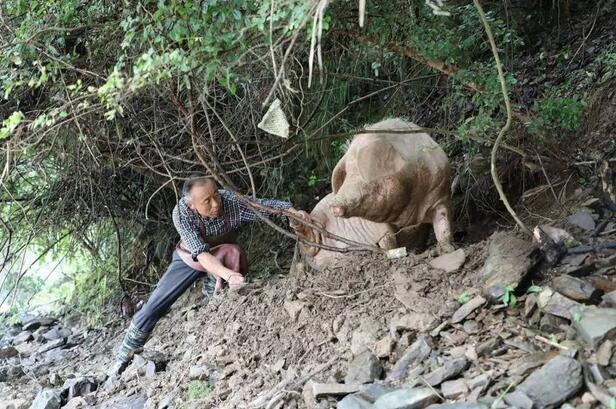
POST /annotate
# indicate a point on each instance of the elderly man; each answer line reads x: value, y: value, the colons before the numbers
x: 205, y: 219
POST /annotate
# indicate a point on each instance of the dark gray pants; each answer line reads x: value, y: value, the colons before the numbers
x: 176, y: 280
x: 171, y: 286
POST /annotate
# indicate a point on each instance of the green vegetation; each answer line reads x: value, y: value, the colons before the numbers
x: 509, y: 298
x: 198, y: 390
x: 108, y: 106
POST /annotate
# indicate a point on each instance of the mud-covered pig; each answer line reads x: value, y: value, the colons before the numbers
x: 400, y: 179
x: 353, y: 228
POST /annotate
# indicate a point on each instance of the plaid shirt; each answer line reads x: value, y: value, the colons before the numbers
x: 194, y: 229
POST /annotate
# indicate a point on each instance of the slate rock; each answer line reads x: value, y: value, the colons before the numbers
x: 353, y: 402
x: 479, y: 382
x: 76, y: 403
x: 24, y: 336
x: 450, y: 369
x: 81, y: 386
x: 8, y: 352
x: 553, y: 324
x: 59, y: 355
x: 553, y: 383
x: 487, y: 347
x: 471, y: 327
x: 449, y: 262
x: 466, y: 309
x: 56, y: 332
x: 557, y: 304
x: 320, y: 390
x: 519, y: 400
x: 415, y: 398
x: 509, y: 260
x: 574, y: 288
x: 46, y: 399
x: 596, y: 324
x: 455, y: 389
x: 413, y: 356
x: 364, y: 368
x: 583, y: 220
x: 372, y: 391
x: 609, y: 300
x: 38, y: 322
x: 56, y: 343
x: 604, y: 353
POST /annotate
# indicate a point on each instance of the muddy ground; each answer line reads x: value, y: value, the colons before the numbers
x: 268, y: 344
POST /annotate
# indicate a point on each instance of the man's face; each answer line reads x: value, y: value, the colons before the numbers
x: 205, y: 199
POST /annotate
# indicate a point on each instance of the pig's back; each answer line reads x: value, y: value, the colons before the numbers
x: 411, y: 146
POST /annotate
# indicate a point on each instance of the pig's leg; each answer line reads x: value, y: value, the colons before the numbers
x: 442, y: 228
x: 388, y: 241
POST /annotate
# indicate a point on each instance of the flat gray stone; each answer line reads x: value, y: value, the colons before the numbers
x: 56, y: 343
x: 455, y: 389
x: 449, y: 262
x: 364, y: 368
x: 449, y: 370
x: 320, y: 390
x: 466, y: 309
x: 487, y: 346
x: 583, y: 220
x: 604, y: 353
x: 609, y: 300
x: 81, y: 386
x: 557, y: 304
x: 46, y: 399
x: 415, y: 398
x: 574, y: 288
x: 553, y: 383
x: 372, y: 391
x: 132, y: 402
x: 38, y: 322
x: 596, y: 324
x: 353, y: 402
x: 76, y: 403
x: 519, y: 400
x: 24, y: 336
x: 509, y: 260
x: 414, y: 355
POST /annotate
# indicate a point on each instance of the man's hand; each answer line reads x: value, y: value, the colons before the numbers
x: 218, y: 270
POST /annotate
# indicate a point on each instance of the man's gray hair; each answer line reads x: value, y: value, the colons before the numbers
x: 196, y: 179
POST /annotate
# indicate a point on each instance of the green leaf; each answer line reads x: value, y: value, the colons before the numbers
x: 10, y: 124
x: 534, y: 289
x: 464, y: 298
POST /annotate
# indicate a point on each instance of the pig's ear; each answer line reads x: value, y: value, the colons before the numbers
x: 379, y: 160
x: 338, y: 175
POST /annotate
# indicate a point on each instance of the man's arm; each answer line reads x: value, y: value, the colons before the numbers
x: 248, y: 215
x: 199, y: 249
x: 215, y: 267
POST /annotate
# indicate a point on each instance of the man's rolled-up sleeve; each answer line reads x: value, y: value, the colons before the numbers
x: 188, y: 229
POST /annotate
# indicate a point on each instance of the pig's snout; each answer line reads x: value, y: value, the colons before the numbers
x: 337, y: 210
